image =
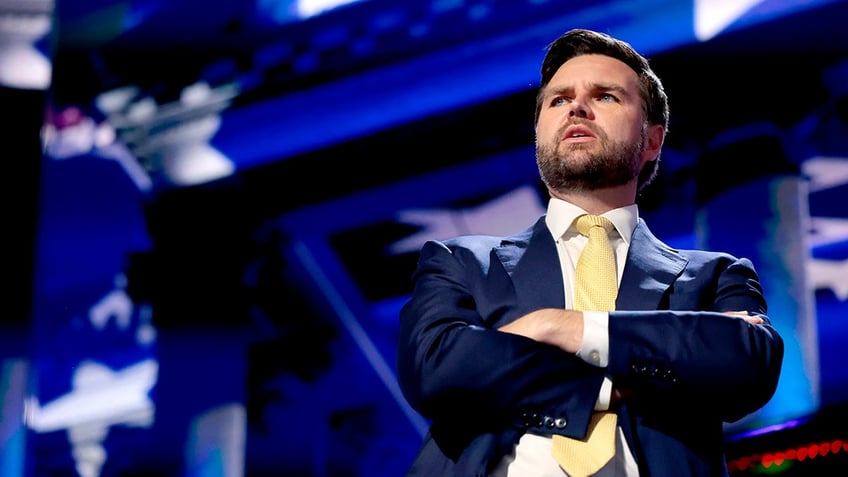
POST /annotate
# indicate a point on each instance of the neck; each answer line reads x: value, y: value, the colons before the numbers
x: 598, y: 201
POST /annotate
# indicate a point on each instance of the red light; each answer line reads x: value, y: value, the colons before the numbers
x: 777, y: 459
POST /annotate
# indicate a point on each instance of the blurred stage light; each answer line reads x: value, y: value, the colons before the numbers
x: 310, y: 8
x: 186, y: 158
x: 101, y: 398
x: 22, y: 24
x: 71, y: 133
x: 713, y: 17
x: 172, y: 139
x: 182, y: 148
x: 286, y: 11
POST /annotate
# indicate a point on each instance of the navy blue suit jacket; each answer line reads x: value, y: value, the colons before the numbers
x: 691, y: 367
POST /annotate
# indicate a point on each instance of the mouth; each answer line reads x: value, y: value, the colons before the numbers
x: 578, y: 133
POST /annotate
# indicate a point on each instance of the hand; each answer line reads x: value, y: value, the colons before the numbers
x: 554, y: 326
x: 747, y: 316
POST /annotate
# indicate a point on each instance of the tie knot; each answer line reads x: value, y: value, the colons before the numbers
x: 585, y: 222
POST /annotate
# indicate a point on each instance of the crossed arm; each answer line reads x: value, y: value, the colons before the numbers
x: 564, y: 329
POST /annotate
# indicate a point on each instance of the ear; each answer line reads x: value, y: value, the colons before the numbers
x: 653, y: 142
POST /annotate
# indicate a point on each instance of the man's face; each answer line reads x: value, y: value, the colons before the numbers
x: 592, y: 131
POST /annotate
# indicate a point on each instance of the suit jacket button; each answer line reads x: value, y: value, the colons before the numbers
x: 536, y: 419
x: 560, y: 423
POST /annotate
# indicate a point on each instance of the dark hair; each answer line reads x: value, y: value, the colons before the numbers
x: 579, y: 42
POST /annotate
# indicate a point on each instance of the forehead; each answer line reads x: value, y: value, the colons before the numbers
x: 595, y: 69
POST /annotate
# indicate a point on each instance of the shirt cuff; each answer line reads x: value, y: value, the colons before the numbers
x: 605, y: 396
x: 595, y: 347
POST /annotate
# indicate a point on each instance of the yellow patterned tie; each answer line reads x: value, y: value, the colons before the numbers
x: 595, y: 280
x: 595, y: 288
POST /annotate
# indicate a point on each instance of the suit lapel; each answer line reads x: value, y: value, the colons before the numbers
x: 531, y: 261
x: 651, y: 268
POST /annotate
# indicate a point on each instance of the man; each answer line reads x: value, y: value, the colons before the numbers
x: 492, y: 351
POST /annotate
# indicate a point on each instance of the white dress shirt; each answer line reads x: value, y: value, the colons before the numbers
x: 532, y: 455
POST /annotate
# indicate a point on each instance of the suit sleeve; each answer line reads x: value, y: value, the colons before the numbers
x: 454, y: 366
x: 699, y: 358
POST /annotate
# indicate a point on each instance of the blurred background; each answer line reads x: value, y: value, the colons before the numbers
x: 212, y: 210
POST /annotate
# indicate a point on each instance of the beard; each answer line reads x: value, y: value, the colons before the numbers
x: 575, y: 167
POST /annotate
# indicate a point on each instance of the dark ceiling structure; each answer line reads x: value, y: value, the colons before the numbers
x: 373, y: 65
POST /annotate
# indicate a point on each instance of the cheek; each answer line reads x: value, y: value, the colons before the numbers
x: 546, y: 129
x: 624, y: 130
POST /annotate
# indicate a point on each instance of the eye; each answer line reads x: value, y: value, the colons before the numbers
x: 559, y: 101
x: 607, y: 98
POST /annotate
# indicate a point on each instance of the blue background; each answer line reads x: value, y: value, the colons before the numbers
x: 245, y: 323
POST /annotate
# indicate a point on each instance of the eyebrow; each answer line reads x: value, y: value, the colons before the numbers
x: 595, y: 87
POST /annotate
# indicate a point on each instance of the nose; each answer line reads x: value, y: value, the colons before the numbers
x: 580, y: 105
x: 579, y: 109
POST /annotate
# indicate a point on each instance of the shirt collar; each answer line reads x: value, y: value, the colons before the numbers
x: 561, y: 215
